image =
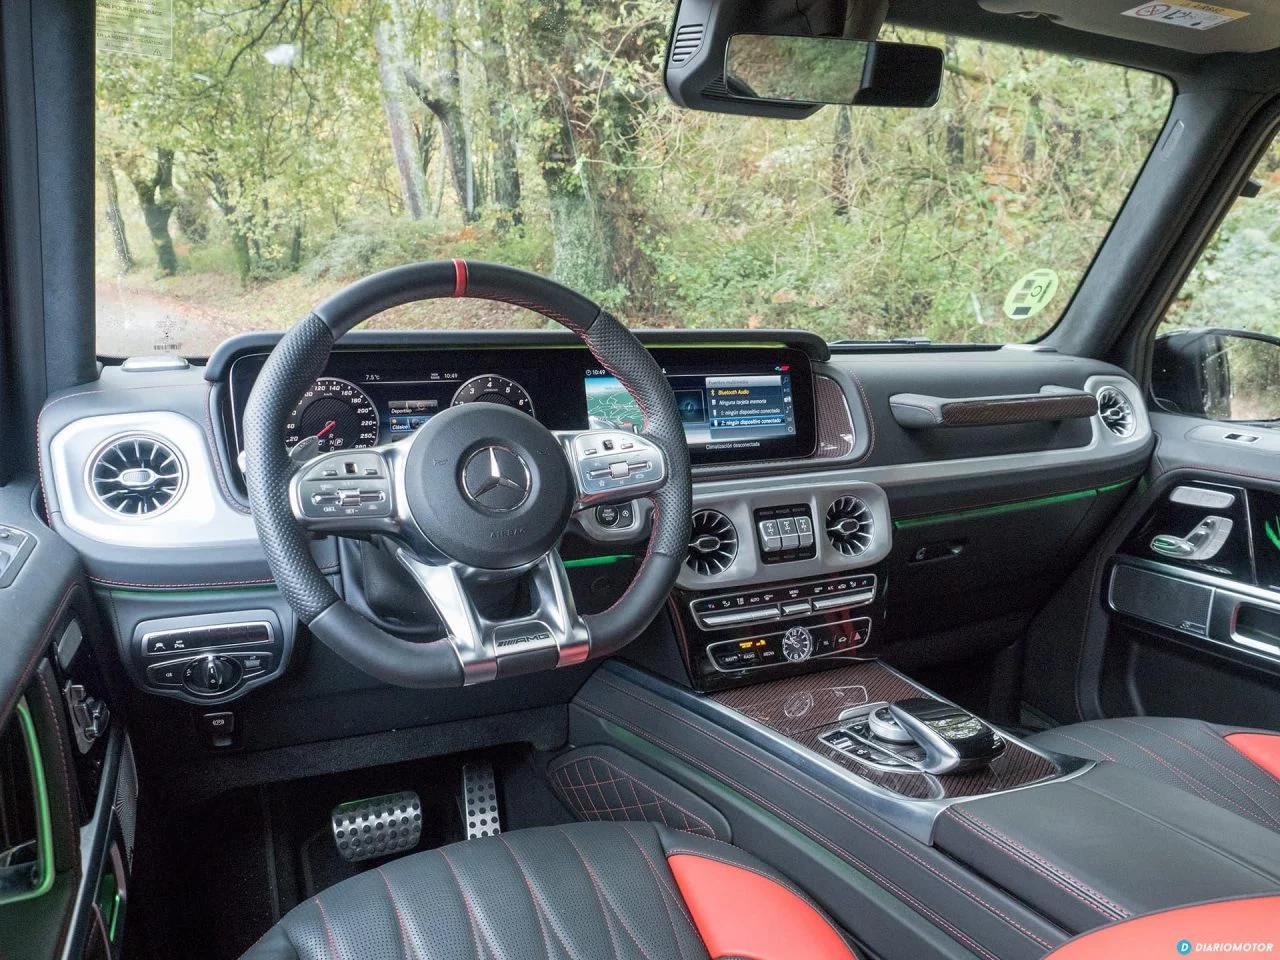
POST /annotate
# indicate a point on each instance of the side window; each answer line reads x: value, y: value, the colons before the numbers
x: 1217, y: 352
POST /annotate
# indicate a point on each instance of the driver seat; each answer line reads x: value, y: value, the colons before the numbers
x: 594, y: 890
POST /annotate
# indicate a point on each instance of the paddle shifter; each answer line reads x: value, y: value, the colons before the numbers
x: 921, y: 734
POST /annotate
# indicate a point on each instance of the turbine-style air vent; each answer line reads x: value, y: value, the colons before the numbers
x: 850, y: 526
x: 685, y: 43
x: 1116, y: 412
x: 136, y: 476
x: 713, y: 543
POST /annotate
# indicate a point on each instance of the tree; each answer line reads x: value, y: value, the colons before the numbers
x: 503, y: 129
x: 152, y: 180
x: 391, y: 72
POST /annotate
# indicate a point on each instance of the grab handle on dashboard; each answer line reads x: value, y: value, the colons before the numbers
x: 917, y: 411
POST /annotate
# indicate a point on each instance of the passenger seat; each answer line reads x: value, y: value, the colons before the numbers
x: 1236, y: 768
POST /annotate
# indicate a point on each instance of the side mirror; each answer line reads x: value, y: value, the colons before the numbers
x: 809, y: 70
x: 1217, y: 374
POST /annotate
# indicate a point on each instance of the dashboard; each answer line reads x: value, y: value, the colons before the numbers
x: 745, y: 404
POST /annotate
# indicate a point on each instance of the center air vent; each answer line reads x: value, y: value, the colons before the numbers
x: 136, y: 476
x: 713, y: 543
x: 850, y: 526
x: 685, y: 43
x: 1116, y: 412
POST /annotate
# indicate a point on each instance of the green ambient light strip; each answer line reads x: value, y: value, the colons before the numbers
x: 44, y: 828
x: 1013, y: 507
x: 597, y: 561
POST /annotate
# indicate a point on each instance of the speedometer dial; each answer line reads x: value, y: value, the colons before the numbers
x: 337, y: 413
x: 490, y: 388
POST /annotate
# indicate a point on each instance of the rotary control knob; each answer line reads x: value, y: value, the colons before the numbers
x: 797, y: 644
x: 211, y: 675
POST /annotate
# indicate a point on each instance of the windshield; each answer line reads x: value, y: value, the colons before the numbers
x: 254, y: 157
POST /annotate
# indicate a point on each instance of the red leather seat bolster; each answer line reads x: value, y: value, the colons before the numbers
x: 1262, y: 748
x: 1249, y: 927
x: 740, y: 913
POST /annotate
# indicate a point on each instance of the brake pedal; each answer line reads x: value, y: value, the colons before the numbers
x: 480, y: 801
x: 377, y: 827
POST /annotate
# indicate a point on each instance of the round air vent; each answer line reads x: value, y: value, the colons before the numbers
x: 136, y: 476
x: 713, y: 543
x: 850, y: 526
x: 1117, y: 412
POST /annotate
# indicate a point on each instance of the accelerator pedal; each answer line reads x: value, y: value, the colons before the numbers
x: 480, y: 801
x: 378, y: 827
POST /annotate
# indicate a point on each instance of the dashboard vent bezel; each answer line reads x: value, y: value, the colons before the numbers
x: 714, y: 560
x: 136, y: 451
x: 855, y: 542
x: 1114, y: 398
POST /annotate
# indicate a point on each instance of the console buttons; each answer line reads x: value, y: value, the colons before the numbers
x: 166, y: 674
x: 785, y: 533
x: 607, y: 516
x: 752, y: 615
x: 212, y: 675
x: 252, y: 664
x: 796, y: 608
x: 770, y: 538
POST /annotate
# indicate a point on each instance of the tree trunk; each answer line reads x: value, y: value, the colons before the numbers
x: 841, y: 161
x: 955, y: 125
x: 412, y: 189
x: 502, y: 130
x: 119, y: 239
x: 157, y: 199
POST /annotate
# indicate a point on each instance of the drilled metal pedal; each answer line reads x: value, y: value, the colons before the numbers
x: 377, y: 827
x: 480, y: 801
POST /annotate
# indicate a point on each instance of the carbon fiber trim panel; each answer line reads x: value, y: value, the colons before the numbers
x: 803, y: 708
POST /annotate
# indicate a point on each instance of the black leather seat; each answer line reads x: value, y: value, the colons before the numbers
x: 591, y: 890
x: 1236, y: 768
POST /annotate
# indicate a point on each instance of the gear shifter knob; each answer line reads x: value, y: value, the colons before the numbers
x: 953, y: 739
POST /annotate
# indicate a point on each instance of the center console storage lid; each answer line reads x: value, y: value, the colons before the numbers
x: 1110, y: 844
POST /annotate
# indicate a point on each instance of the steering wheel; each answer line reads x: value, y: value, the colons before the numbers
x: 480, y: 493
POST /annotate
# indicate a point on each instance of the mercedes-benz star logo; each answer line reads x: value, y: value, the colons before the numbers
x: 496, y: 478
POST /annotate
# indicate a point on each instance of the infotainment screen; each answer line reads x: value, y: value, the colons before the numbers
x: 732, y: 409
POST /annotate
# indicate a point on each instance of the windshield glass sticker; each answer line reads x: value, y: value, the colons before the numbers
x: 136, y: 28
x: 1031, y: 294
x: 1187, y: 13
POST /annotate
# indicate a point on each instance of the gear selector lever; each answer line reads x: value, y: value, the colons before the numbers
x: 953, y: 739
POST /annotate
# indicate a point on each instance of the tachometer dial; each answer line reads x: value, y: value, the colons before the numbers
x: 489, y: 388
x: 337, y: 413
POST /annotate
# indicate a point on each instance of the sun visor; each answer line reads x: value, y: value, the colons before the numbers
x: 1238, y: 26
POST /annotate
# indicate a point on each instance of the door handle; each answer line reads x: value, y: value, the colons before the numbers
x: 1202, y: 543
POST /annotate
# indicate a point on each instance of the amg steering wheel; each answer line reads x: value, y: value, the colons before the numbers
x: 480, y: 493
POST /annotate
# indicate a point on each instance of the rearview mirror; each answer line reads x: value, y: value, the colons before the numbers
x: 815, y: 70
x: 1217, y: 374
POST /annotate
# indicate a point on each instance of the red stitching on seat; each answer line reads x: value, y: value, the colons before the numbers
x: 1085, y: 744
x: 602, y: 896
x: 477, y: 931
x: 404, y: 930
x: 1226, y: 771
x: 328, y: 930
x: 538, y: 906
x: 623, y: 777
x: 1192, y: 781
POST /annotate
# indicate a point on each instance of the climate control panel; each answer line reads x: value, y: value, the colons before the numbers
x: 735, y: 637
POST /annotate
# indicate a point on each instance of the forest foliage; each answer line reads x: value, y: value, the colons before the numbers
x: 289, y: 146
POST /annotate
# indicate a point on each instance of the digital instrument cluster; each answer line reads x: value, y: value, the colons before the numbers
x: 740, y: 404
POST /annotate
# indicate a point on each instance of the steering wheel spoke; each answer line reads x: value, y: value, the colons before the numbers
x: 351, y: 492
x: 612, y: 466
x: 550, y: 635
